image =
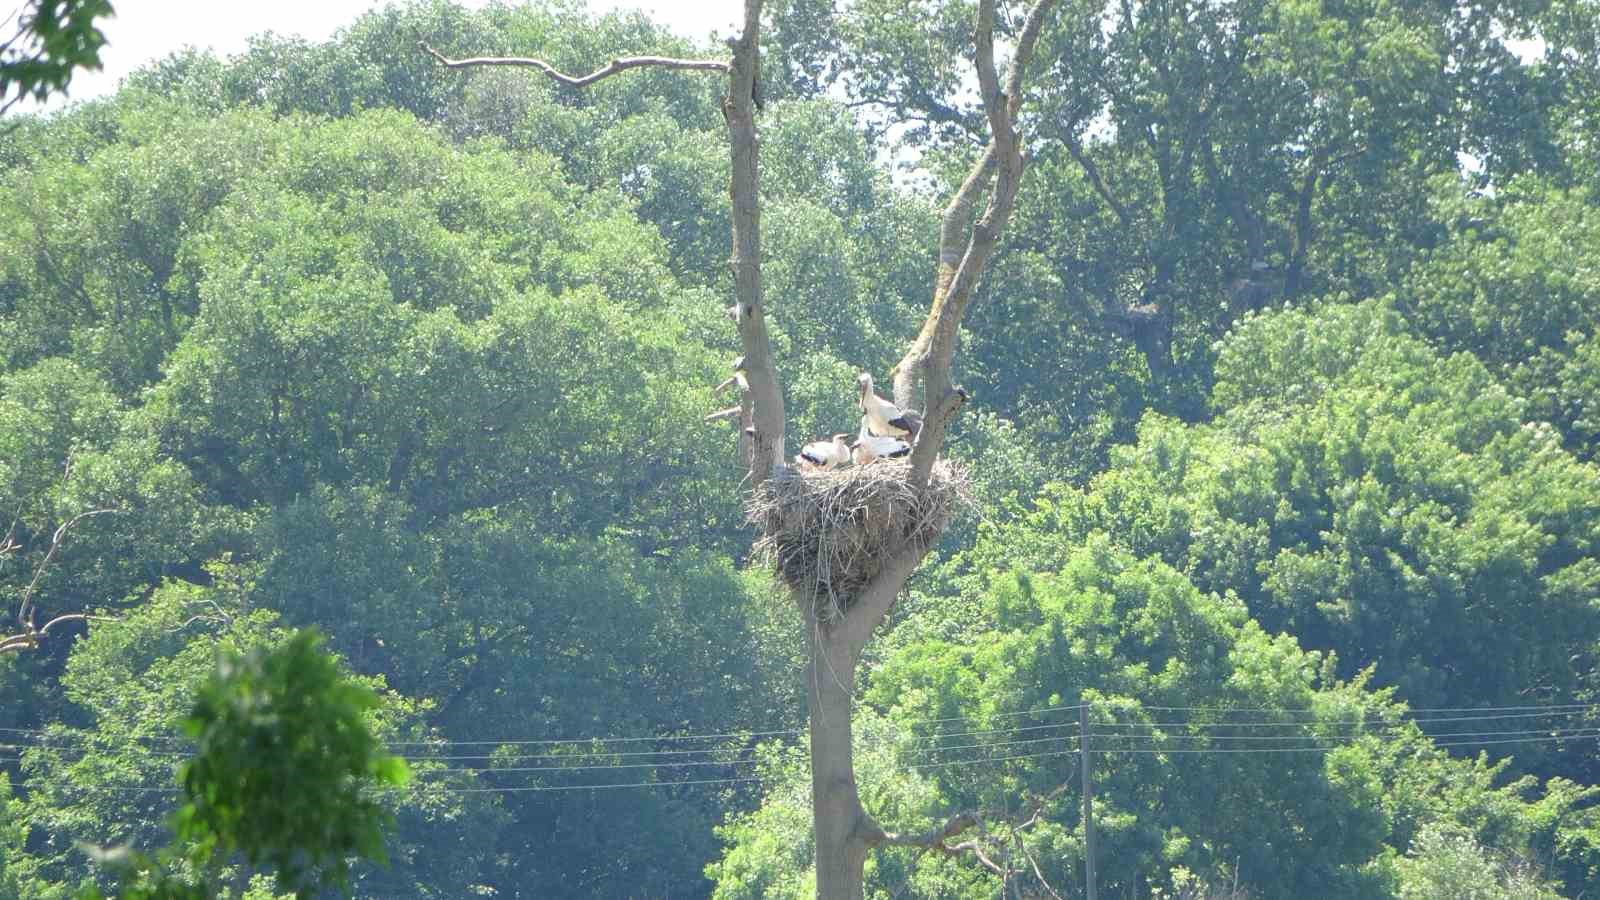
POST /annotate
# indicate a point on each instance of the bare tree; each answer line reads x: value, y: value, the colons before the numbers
x: 31, y: 634
x: 845, y: 833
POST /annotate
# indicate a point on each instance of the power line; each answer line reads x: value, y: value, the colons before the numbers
x: 1320, y: 749
x: 576, y: 756
x: 985, y: 760
x: 1412, y: 709
x: 1483, y: 713
x: 693, y: 737
x: 1357, y: 734
x: 661, y: 756
x: 1305, y: 723
x: 594, y: 787
x: 564, y: 757
x: 658, y: 759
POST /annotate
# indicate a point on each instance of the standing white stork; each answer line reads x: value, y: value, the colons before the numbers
x: 825, y: 454
x: 883, y: 418
x: 869, y: 447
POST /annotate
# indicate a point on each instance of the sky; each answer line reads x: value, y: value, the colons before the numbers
x: 144, y: 30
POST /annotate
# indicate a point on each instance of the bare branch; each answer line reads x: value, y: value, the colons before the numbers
x: 731, y: 412
x: 1023, y: 846
x: 761, y: 442
x: 1019, y: 60
x: 738, y: 109
x: 193, y: 619
x: 25, y: 608
x: 976, y: 849
x: 8, y: 544
x: 935, y: 837
x: 1100, y: 187
x: 994, y: 104
x: 621, y: 64
x: 30, y: 635
x: 75, y: 617
x: 929, y: 358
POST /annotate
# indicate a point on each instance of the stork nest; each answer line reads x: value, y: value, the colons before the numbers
x: 828, y: 532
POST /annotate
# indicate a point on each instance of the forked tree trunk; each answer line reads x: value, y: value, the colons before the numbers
x: 844, y: 832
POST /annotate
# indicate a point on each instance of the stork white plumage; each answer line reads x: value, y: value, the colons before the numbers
x: 871, y: 447
x: 883, y: 418
x: 825, y: 454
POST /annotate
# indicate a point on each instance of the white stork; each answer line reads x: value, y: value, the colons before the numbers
x: 825, y: 454
x: 869, y: 447
x: 884, y: 418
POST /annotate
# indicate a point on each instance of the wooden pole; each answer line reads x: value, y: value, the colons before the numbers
x: 1088, y: 801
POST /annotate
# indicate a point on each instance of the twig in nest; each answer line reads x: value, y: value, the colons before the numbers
x: 828, y: 532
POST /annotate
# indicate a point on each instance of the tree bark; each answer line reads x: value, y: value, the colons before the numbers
x: 836, y: 812
x: 844, y: 832
x: 738, y: 109
x: 928, y: 361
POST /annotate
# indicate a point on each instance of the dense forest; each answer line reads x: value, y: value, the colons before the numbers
x: 1283, y: 440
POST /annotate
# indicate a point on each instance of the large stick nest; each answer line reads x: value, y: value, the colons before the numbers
x: 828, y: 532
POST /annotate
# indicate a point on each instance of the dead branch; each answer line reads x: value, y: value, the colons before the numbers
x: 8, y: 544
x: 937, y: 838
x: 1096, y: 181
x: 25, y: 609
x: 30, y: 635
x: 964, y: 251
x: 731, y: 412
x: 761, y: 441
x: 1022, y: 847
x: 29, y: 640
x: 621, y: 64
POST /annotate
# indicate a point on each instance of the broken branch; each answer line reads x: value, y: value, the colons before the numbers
x: 621, y: 64
x: 25, y: 608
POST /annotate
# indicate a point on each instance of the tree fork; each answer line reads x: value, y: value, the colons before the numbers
x: 844, y: 832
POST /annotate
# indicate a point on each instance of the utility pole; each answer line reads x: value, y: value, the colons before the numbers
x: 1088, y: 800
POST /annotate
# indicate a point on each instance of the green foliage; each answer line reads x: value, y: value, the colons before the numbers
x: 419, y: 357
x: 13, y: 836
x: 1135, y: 637
x: 53, y: 39
x: 1373, y: 498
x: 1512, y: 281
x: 1447, y: 864
x: 283, y: 763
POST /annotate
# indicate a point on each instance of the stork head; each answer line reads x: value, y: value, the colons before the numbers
x: 738, y: 364
x: 865, y: 381
x: 840, y: 438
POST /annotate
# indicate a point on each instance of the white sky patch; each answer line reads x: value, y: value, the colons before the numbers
x: 147, y: 30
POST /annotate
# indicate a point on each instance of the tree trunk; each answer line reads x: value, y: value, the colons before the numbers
x: 836, y: 812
